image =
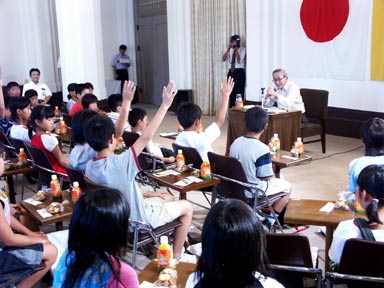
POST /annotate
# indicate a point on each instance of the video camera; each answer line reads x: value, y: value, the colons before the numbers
x: 235, y: 40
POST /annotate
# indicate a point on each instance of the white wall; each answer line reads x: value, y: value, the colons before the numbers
x: 265, y: 18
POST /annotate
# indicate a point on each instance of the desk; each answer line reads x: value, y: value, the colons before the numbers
x: 9, y: 175
x: 150, y: 272
x: 287, y: 125
x: 57, y: 218
x: 282, y: 162
x: 171, y: 179
x: 303, y: 211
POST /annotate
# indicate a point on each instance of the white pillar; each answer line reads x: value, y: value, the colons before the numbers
x: 180, y: 42
x: 80, y: 40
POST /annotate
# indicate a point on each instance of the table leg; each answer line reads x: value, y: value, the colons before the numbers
x: 59, y: 226
x: 328, y: 242
x: 183, y: 196
x: 12, y: 193
x: 277, y: 171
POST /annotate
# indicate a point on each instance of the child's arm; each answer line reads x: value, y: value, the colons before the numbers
x: 129, y: 89
x: 59, y: 156
x: 2, y: 105
x: 168, y: 95
x: 225, y: 90
x: 9, y: 238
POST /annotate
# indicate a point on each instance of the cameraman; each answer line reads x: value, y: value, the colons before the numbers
x: 235, y: 57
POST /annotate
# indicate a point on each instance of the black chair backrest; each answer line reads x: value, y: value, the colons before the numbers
x: 130, y: 138
x: 8, y: 146
x: 231, y: 168
x: 362, y: 257
x: 289, y: 249
x: 76, y: 175
x: 190, y: 154
x: 18, y: 143
x: 315, y: 102
x: 56, y: 100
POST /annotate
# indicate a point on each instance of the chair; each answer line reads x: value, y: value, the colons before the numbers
x: 8, y: 147
x: 76, y: 175
x: 43, y: 165
x: 56, y: 100
x: 316, y: 110
x: 191, y: 155
x: 361, y: 265
x: 142, y: 233
x: 234, y: 184
x: 291, y: 261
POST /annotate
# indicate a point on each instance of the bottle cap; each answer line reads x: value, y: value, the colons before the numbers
x: 75, y: 184
x: 56, y: 107
x: 21, y: 149
x: 276, y: 135
x: 179, y: 151
x: 164, y: 240
x: 54, y: 177
x: 299, y: 139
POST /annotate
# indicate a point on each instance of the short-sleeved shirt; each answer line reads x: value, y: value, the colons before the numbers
x: 5, y: 125
x: 357, y: 165
x: 119, y: 65
x: 41, y: 89
x: 115, y: 116
x: 118, y: 172
x: 76, y: 108
x: 202, y: 141
x: 240, y: 65
x: 80, y: 155
x: 48, y: 142
x: 70, y: 104
x: 20, y: 132
x: 344, y: 231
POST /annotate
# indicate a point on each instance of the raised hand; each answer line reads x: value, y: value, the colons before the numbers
x: 169, y: 94
x: 129, y: 89
x: 227, y: 87
x: 1, y: 79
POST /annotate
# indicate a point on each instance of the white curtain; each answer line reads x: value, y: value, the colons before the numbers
x: 213, y: 23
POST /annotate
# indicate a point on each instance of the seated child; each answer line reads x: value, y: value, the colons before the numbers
x: 372, y: 135
x: 370, y: 193
x: 119, y: 171
x: 89, y: 101
x: 20, y: 111
x: 81, y: 152
x: 42, y: 123
x: 138, y: 119
x: 256, y: 160
x: 5, y: 123
x: 33, y: 97
x: 114, y: 103
x: 13, y: 89
x: 72, y: 97
x: 91, y: 259
x: 81, y: 90
x: 189, y: 116
x: 21, y: 248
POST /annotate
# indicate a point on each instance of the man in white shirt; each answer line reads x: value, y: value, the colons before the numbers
x: 43, y: 92
x: 285, y: 94
x: 235, y: 58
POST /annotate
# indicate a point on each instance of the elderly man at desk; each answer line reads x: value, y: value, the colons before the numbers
x: 284, y: 94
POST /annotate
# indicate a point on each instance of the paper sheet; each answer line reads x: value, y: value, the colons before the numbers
x: 32, y: 201
x: 167, y: 172
x: 328, y: 207
x: 44, y: 213
x: 188, y: 180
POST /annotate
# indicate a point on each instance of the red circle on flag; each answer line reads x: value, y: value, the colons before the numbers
x: 323, y: 20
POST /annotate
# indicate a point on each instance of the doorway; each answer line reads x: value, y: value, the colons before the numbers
x: 152, y: 49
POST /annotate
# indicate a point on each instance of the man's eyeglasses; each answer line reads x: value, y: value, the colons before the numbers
x: 278, y: 79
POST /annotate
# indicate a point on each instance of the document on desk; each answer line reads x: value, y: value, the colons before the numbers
x: 32, y: 201
x: 44, y: 213
x: 169, y: 134
x: 167, y: 172
x: 274, y: 110
x: 188, y: 180
x: 327, y: 207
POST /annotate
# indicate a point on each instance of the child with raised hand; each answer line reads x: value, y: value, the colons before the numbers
x: 97, y: 236
x: 20, y: 111
x: 42, y: 123
x: 370, y: 193
x: 5, y: 123
x: 30, y: 252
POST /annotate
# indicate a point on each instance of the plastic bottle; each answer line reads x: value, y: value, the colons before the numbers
x: 276, y: 142
x: 55, y: 188
x: 164, y: 254
x: 56, y: 112
x: 180, y: 160
x: 76, y: 192
x: 63, y: 127
x: 239, y: 101
x: 22, y: 157
x: 358, y: 208
x: 299, y: 147
x: 262, y: 97
x: 205, y: 171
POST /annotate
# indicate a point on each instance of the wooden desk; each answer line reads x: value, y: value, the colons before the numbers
x: 57, y: 218
x: 171, y: 179
x: 287, y: 125
x: 307, y: 212
x: 150, y: 272
x: 282, y: 162
x: 9, y: 175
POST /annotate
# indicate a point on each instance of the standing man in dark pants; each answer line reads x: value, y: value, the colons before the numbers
x: 235, y: 57
x: 120, y: 64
